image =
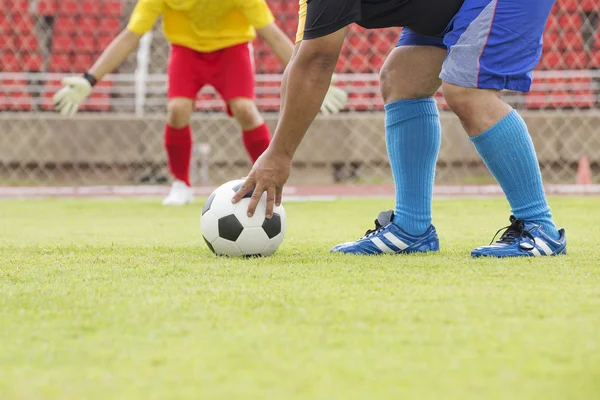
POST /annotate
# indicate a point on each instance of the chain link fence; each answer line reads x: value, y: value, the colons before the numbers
x: 117, y: 138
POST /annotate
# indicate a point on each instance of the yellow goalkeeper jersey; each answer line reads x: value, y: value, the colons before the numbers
x: 203, y: 25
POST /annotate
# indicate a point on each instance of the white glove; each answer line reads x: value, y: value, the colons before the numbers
x: 67, y: 100
x: 335, y: 99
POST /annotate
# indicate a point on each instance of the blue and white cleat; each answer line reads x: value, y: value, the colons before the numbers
x: 523, y: 239
x: 387, y: 238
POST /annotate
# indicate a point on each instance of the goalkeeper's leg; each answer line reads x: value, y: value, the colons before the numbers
x: 235, y: 83
x: 255, y: 132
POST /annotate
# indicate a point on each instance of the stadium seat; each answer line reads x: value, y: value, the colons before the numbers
x: 5, y: 25
x: 85, y: 44
x: 570, y: 22
x: 62, y: 44
x: 59, y: 63
x: 109, y: 26
x: 90, y: 7
x: 111, y: 8
x: 88, y: 25
x: 570, y: 41
x: 82, y: 62
x: 32, y: 62
x: 10, y: 61
x: 8, y: 43
x: 551, y: 39
x: 576, y: 59
x: 27, y: 43
x: 22, y: 24
x: 17, y: 7
x: 47, y: 7
x: 14, y: 95
x: 67, y: 7
x: 65, y: 25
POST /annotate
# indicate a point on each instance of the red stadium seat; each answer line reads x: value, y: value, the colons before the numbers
x: 594, y: 61
x: 109, y: 26
x: 85, y: 44
x: 552, y: 24
x: 552, y: 60
x: 571, y: 41
x: 68, y: 7
x: 59, y: 63
x: 570, y: 22
x: 589, y: 6
x: 14, y: 95
x: 111, y: 8
x: 17, y: 7
x: 10, y: 62
x: 82, y: 62
x: 62, y: 44
x: 551, y: 39
x: 90, y: 7
x: 88, y: 25
x: 8, y: 42
x: 47, y: 7
x: 65, y: 25
x: 32, y: 62
x: 23, y: 24
x: 576, y: 59
x: 27, y: 43
x: 5, y: 25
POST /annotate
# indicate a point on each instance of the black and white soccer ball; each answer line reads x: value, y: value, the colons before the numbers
x: 228, y: 230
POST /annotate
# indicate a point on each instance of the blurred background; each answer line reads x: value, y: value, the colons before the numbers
x: 117, y: 138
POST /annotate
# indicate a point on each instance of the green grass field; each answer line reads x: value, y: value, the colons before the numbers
x: 120, y: 299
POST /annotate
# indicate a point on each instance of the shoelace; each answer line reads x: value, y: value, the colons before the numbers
x: 371, y: 232
x: 515, y: 232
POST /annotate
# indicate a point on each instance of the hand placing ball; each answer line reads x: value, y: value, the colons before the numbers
x: 229, y: 231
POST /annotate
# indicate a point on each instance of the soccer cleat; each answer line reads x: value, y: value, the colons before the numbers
x: 387, y: 238
x: 523, y: 239
x: 180, y: 195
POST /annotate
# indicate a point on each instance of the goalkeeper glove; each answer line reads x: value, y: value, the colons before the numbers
x: 335, y: 99
x: 76, y: 89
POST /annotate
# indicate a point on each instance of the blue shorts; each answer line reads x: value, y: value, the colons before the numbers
x: 492, y: 44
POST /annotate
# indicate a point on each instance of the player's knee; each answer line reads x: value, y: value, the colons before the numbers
x: 179, y: 112
x: 462, y: 101
x: 246, y: 113
x: 401, y: 80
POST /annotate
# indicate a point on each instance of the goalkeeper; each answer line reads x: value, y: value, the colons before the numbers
x: 209, y: 45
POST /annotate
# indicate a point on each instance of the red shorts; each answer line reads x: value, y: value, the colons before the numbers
x: 230, y: 71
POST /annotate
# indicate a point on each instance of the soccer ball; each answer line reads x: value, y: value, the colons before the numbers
x: 228, y: 231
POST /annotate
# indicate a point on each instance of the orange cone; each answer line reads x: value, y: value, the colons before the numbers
x: 584, y: 172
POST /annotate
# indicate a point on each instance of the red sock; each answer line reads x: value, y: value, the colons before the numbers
x: 178, y: 143
x: 256, y: 141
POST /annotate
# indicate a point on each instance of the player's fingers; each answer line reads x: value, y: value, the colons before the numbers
x: 73, y: 109
x: 278, y: 196
x: 64, y: 109
x: 246, y: 187
x: 58, y: 96
x: 255, y: 198
x: 324, y: 109
x: 270, y: 202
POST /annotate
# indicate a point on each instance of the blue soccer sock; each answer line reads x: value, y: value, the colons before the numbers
x: 508, y: 152
x: 413, y: 137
